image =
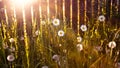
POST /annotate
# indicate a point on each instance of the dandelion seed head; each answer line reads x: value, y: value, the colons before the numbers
x: 10, y: 58
x: 61, y: 33
x: 55, y: 57
x: 56, y: 22
x: 79, y: 39
x: 83, y: 28
x: 44, y: 67
x: 101, y: 18
x: 79, y: 47
x: 11, y: 40
x: 112, y: 44
x: 37, y: 32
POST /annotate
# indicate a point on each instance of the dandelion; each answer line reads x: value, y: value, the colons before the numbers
x: 79, y: 39
x: 61, y: 33
x: 44, y: 66
x: 83, y: 28
x: 37, y: 32
x: 11, y: 40
x: 10, y: 58
x: 79, y: 47
x: 56, y: 22
x: 56, y: 58
x: 112, y: 44
x: 101, y: 18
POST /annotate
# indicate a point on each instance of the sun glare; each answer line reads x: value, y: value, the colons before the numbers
x: 21, y: 2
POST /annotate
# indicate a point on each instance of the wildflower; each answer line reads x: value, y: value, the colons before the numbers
x: 112, y: 44
x: 43, y: 22
x: 37, y: 33
x: 83, y: 28
x: 56, y: 58
x: 61, y: 33
x: 44, y: 66
x: 56, y: 22
x: 101, y: 18
x: 79, y: 47
x: 5, y: 46
x: 79, y: 39
x: 10, y: 58
x: 11, y: 40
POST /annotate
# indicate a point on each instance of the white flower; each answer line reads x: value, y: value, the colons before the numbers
x: 56, y: 22
x: 79, y: 47
x: 56, y: 58
x: 101, y: 18
x: 83, y: 28
x: 79, y: 39
x: 44, y: 66
x: 11, y: 40
x: 37, y: 33
x: 43, y: 22
x: 10, y: 58
x: 61, y: 33
x: 112, y: 44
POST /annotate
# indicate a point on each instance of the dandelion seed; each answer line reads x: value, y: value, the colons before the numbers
x: 44, y: 66
x: 112, y: 44
x: 56, y: 58
x: 56, y: 22
x: 83, y: 28
x: 61, y: 33
x: 79, y: 39
x: 11, y: 40
x: 79, y: 47
x: 101, y: 18
x: 10, y: 58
